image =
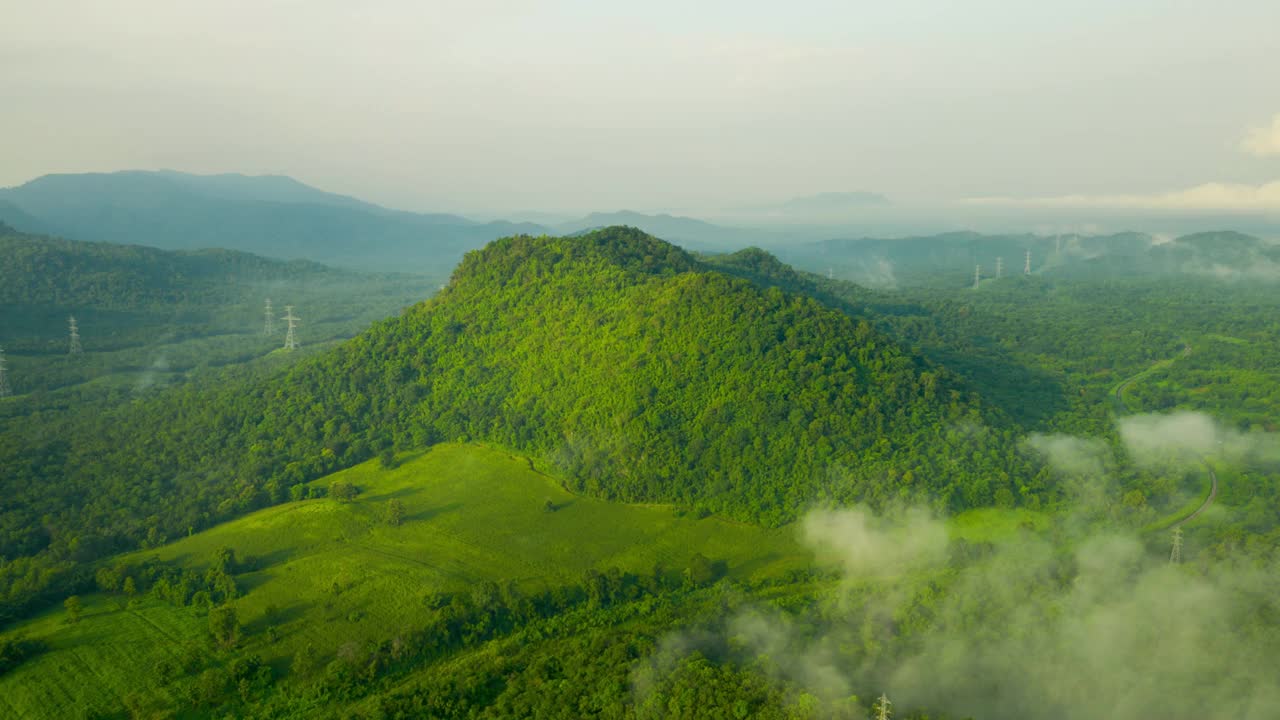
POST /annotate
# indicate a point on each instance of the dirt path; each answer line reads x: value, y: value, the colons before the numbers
x: 1213, y: 476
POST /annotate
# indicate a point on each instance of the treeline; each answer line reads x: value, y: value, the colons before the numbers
x: 41, y: 270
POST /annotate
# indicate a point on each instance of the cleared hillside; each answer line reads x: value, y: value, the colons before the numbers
x: 324, y: 574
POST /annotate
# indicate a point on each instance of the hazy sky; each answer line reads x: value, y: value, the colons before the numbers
x: 485, y: 104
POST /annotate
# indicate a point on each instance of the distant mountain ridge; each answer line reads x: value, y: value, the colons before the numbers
x: 884, y: 262
x: 274, y: 216
x: 690, y: 233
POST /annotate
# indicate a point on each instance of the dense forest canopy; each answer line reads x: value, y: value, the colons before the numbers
x: 621, y: 362
x: 630, y: 370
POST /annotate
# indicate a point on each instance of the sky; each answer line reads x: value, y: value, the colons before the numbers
x: 479, y: 105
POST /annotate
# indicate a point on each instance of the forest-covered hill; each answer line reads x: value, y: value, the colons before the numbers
x: 146, y: 314
x: 624, y: 368
x: 624, y: 364
x: 42, y: 270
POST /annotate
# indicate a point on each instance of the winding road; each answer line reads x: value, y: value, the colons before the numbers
x: 1213, y: 476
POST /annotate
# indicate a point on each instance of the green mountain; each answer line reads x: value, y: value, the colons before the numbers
x: 231, y: 547
x: 41, y: 270
x: 267, y: 215
x: 131, y: 296
x: 619, y: 362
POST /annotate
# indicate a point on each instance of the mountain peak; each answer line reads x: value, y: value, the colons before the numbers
x: 627, y: 248
x: 134, y: 187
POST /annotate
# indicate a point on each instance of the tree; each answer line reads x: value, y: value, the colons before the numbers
x: 343, y: 491
x: 700, y: 572
x: 387, y: 459
x: 304, y: 661
x: 74, y: 608
x: 224, y: 560
x: 395, y: 512
x: 108, y: 579
x: 224, y: 625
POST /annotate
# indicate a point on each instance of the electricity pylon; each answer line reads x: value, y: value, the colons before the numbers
x: 882, y: 708
x: 1026, y: 269
x: 291, y: 322
x: 977, y: 276
x: 5, y: 391
x: 269, y: 327
x: 1175, y: 555
x: 999, y: 268
x: 75, y: 348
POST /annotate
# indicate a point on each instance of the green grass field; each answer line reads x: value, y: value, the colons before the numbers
x: 92, y: 665
x: 327, y: 573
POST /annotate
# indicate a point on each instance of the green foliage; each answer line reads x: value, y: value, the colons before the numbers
x: 387, y: 459
x: 633, y: 370
x: 395, y: 512
x: 343, y: 491
x: 748, y: 401
x: 74, y: 608
x: 224, y: 625
x: 15, y: 649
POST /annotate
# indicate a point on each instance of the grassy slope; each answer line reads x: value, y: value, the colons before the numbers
x: 471, y: 513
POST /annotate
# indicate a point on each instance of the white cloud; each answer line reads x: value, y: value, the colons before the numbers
x: 1263, y: 140
x: 1209, y: 196
x: 1181, y: 437
x: 869, y: 546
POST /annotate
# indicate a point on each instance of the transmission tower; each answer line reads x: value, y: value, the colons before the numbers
x: 999, y: 268
x: 269, y: 327
x: 882, y: 708
x: 291, y: 321
x: 977, y: 276
x: 1026, y: 268
x: 831, y: 273
x: 1057, y: 240
x: 5, y: 391
x: 1175, y: 555
x: 75, y: 348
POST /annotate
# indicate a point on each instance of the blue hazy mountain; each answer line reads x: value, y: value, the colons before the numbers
x: 269, y: 215
x: 886, y: 262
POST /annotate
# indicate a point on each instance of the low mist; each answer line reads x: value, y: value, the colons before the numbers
x: 1078, y: 621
